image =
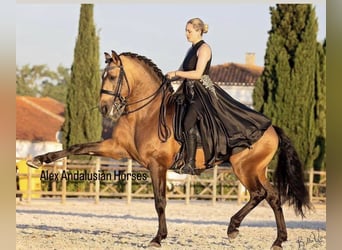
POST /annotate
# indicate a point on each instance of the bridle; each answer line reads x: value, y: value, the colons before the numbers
x: 121, y: 103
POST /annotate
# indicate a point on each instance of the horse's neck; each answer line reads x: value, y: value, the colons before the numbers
x: 148, y: 101
x: 147, y: 108
x: 156, y: 117
x: 144, y: 94
x: 138, y: 133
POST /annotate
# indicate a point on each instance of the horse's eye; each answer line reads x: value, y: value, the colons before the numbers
x: 112, y: 78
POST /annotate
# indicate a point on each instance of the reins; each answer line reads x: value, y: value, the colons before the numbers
x: 164, y: 131
x: 152, y: 96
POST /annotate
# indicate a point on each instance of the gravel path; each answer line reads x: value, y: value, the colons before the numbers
x: 112, y: 224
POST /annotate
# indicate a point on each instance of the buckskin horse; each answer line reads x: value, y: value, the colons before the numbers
x: 136, y: 95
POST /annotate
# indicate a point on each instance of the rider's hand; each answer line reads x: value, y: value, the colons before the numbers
x: 172, y: 74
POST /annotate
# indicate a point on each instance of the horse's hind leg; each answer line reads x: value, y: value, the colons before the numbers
x: 250, y: 167
x: 257, y: 194
x: 273, y: 200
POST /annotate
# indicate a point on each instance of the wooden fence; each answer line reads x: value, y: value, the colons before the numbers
x: 128, y: 180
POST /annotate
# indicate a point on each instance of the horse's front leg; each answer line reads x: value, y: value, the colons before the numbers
x: 101, y: 148
x: 158, y: 176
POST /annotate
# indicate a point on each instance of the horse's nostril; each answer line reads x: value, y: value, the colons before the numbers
x: 104, y: 109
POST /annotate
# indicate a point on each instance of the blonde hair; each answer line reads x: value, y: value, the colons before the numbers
x: 198, y: 24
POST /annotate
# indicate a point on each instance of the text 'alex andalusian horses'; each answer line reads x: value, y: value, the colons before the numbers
x: 137, y: 96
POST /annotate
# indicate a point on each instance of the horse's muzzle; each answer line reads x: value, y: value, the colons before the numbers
x: 105, y: 109
x: 112, y: 111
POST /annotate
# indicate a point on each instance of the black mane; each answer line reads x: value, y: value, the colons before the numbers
x: 147, y: 61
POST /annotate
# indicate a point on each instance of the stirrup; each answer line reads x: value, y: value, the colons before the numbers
x: 188, y: 168
x: 177, y: 164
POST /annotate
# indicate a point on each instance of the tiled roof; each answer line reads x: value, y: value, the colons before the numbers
x: 38, y: 119
x: 235, y: 74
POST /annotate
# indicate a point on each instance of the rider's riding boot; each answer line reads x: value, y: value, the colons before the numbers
x: 190, y: 157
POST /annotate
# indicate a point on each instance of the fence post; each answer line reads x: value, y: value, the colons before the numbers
x: 214, y: 184
x: 97, y: 181
x: 187, y: 189
x: 54, y: 184
x: 63, y: 198
x: 311, y: 179
x: 29, y: 184
x: 129, y: 181
x: 241, y: 192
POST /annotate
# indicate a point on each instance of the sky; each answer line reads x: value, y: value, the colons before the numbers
x: 46, y: 33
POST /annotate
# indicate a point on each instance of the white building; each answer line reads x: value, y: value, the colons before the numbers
x: 38, y: 122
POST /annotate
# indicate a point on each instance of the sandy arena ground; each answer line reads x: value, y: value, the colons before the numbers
x: 112, y: 224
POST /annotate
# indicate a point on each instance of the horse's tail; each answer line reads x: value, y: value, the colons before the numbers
x: 289, y: 175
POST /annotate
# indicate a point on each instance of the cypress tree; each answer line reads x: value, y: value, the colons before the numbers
x: 285, y: 91
x: 82, y: 120
x: 320, y: 108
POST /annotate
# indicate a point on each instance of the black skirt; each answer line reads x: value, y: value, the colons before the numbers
x: 226, y: 126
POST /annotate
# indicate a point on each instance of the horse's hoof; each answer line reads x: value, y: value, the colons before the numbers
x: 274, y: 247
x: 154, y: 244
x: 233, y: 234
x: 35, y: 163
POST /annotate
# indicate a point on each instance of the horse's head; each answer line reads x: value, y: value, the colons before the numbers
x: 115, y: 88
x: 130, y: 83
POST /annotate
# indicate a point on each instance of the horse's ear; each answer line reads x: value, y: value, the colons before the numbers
x: 108, y: 58
x: 115, y: 57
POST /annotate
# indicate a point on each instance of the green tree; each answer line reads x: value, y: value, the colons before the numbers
x: 24, y: 84
x: 40, y: 81
x: 320, y: 108
x: 286, y: 89
x: 29, y: 79
x: 57, y: 90
x: 82, y: 120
